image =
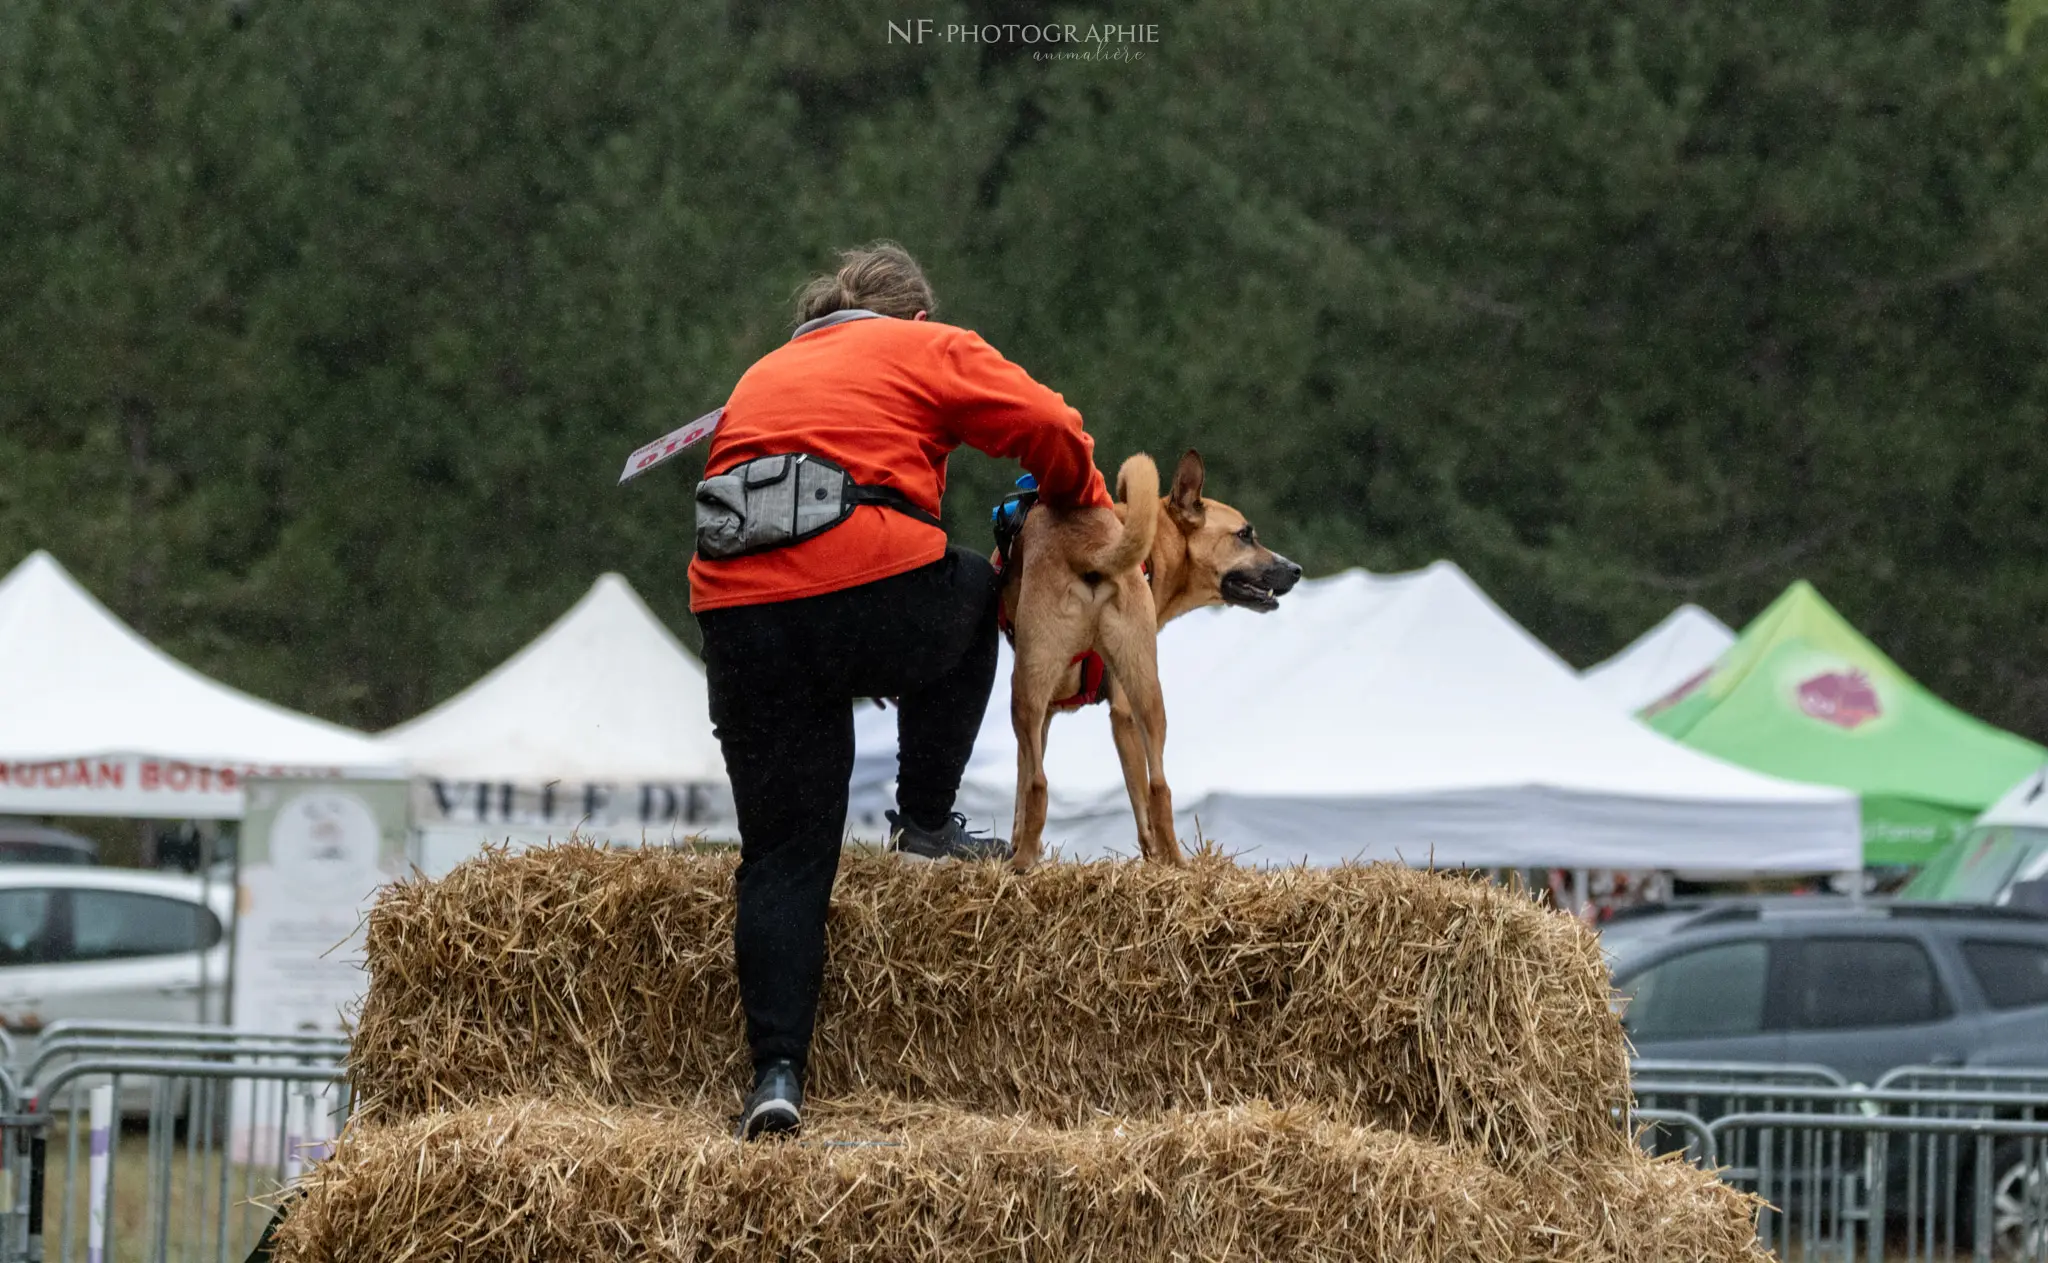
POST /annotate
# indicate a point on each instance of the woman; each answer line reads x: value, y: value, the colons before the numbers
x: 871, y: 605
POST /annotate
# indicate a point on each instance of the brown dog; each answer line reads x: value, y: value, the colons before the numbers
x: 1108, y: 580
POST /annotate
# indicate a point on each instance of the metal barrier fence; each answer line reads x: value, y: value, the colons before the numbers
x: 1933, y: 1163
x: 1881, y: 1187
x: 1699, y: 1136
x: 130, y: 1142
x: 1791, y: 1074
x: 1959, y: 1079
x: 123, y: 1143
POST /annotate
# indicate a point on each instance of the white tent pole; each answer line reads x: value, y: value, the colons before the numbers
x: 206, y: 832
x: 227, y: 1008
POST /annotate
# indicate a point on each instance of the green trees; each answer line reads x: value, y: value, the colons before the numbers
x: 324, y: 334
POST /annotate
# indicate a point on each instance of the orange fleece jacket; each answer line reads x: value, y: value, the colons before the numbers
x: 887, y: 400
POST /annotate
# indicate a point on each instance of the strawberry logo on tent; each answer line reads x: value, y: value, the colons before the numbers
x: 1842, y: 698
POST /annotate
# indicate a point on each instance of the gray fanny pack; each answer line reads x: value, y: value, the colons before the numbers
x: 774, y: 501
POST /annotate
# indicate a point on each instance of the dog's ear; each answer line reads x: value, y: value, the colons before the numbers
x: 1185, y: 501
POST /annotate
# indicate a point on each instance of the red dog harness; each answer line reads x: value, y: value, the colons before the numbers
x: 1094, y: 672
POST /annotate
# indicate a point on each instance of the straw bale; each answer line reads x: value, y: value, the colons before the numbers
x: 533, y: 1181
x: 1635, y: 1207
x: 1438, y: 1006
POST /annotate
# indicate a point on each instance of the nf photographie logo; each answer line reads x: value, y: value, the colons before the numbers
x: 1048, y: 41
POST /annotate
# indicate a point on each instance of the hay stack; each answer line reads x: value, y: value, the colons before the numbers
x: 527, y: 1181
x: 1112, y: 1062
x: 1445, y: 1009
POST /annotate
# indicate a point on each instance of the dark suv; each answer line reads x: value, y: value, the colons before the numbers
x: 1858, y: 987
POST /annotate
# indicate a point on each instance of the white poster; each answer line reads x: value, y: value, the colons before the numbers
x: 313, y: 855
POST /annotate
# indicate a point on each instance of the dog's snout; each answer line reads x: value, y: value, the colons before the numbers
x: 1290, y: 573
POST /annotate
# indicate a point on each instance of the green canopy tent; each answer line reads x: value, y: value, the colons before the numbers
x: 1802, y: 695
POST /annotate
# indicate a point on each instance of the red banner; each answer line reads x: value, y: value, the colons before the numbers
x: 133, y: 785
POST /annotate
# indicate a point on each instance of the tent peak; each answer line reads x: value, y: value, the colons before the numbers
x: 605, y: 693
x: 612, y: 588
x: 83, y: 683
x: 41, y: 575
x: 1690, y: 610
x: 1681, y: 647
x: 39, y: 567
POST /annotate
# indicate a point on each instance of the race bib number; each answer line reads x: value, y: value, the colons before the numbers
x: 669, y: 445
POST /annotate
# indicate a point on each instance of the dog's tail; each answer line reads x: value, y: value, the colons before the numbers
x: 1137, y: 485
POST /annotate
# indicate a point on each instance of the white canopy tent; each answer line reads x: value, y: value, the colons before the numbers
x: 1687, y: 642
x: 96, y: 721
x: 2004, y: 857
x: 1406, y: 717
x: 2024, y: 805
x: 607, y: 693
x: 601, y: 725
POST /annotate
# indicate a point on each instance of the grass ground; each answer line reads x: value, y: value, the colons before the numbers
x: 194, y: 1178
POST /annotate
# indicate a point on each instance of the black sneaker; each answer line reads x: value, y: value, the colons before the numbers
x: 776, y: 1104
x: 950, y: 841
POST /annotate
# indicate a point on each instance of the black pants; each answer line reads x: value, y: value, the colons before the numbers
x: 783, y: 678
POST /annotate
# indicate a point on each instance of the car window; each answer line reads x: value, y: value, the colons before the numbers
x: 1716, y: 990
x: 2035, y: 865
x: 112, y: 924
x: 2013, y: 975
x: 1865, y: 981
x: 27, y: 926
x: 1972, y: 870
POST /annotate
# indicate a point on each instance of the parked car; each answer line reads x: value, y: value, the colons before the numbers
x: 1862, y: 988
x: 24, y: 843
x: 109, y: 944
x: 1655, y: 920
x: 1859, y: 987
